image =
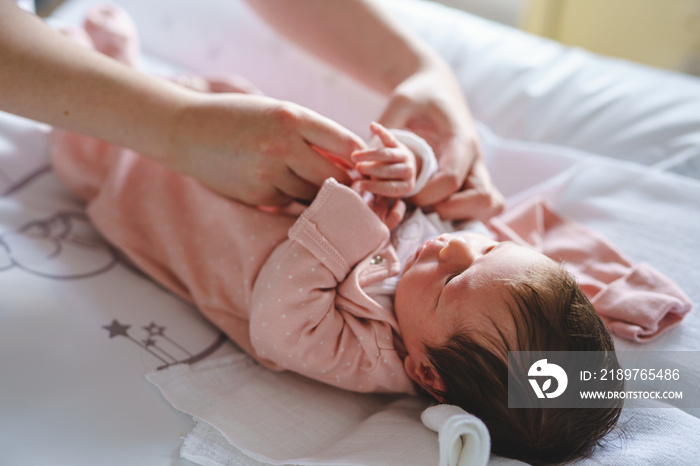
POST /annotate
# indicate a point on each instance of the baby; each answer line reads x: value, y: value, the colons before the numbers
x: 348, y: 292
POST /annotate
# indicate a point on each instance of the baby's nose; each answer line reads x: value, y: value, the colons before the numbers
x: 459, y: 251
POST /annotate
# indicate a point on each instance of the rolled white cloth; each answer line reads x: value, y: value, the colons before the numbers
x: 464, y: 439
x: 421, y: 149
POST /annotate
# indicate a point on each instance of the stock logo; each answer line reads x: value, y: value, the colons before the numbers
x: 542, y: 370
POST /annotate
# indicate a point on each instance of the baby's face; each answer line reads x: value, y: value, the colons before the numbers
x: 459, y: 282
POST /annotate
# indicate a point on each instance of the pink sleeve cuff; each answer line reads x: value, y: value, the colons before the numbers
x: 338, y: 228
x: 642, y: 304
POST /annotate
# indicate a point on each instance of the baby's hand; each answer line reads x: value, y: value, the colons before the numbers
x: 389, y: 211
x: 390, y: 170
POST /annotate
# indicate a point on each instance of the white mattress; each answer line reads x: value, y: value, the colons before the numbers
x: 73, y: 392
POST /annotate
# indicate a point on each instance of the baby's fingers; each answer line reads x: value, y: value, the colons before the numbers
x: 383, y: 134
x: 380, y: 155
x: 386, y: 188
x: 388, y: 172
x: 396, y: 214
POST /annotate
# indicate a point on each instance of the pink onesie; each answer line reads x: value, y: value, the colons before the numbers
x: 291, y: 290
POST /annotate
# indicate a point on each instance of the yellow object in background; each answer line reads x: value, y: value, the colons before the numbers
x: 661, y: 33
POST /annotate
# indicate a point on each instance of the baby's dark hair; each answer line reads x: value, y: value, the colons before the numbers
x: 551, y: 314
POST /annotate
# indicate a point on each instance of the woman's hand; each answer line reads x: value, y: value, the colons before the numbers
x: 390, y: 170
x: 424, y: 95
x: 257, y: 149
x: 431, y: 104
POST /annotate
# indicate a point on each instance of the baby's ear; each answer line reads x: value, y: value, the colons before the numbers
x: 425, y: 375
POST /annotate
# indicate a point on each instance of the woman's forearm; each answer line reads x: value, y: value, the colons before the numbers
x: 46, y: 77
x: 356, y: 36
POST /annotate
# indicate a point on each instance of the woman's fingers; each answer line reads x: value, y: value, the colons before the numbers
x: 479, y: 200
x: 397, y: 113
x: 440, y: 187
x: 455, y: 160
x: 320, y: 149
x: 311, y: 166
x: 469, y: 204
x: 295, y: 186
x: 330, y: 138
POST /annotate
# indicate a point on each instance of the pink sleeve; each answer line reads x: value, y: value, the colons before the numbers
x: 301, y: 321
x: 636, y: 301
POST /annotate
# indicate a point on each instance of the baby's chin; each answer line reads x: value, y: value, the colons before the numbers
x: 398, y: 296
x: 399, y: 303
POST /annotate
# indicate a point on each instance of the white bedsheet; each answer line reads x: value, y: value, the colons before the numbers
x: 73, y: 390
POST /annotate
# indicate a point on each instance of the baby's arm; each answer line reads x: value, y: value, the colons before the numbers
x: 400, y: 167
x: 308, y: 313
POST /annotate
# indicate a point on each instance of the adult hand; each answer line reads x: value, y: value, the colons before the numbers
x: 424, y: 94
x: 259, y: 150
x: 252, y: 148
x: 431, y: 104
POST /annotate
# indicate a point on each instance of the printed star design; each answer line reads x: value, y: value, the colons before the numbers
x: 154, y: 329
x: 149, y: 342
x: 116, y: 329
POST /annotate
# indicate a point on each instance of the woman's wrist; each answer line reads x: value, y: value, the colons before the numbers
x: 173, y: 124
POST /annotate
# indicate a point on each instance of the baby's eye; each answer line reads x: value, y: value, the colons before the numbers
x: 449, y: 279
x: 490, y: 248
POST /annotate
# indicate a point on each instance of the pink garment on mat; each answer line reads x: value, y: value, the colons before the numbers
x: 290, y: 290
x: 636, y: 301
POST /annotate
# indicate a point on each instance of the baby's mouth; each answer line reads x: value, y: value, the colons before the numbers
x: 414, y: 258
